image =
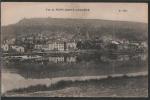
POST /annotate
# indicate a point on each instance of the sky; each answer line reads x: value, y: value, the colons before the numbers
x: 12, y: 12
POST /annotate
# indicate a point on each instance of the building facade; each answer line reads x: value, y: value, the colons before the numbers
x: 71, y: 46
x: 58, y: 46
x: 18, y: 48
x: 5, y: 47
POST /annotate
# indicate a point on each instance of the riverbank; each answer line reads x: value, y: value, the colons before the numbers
x: 110, y: 87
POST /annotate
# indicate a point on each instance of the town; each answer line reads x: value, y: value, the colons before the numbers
x: 41, y: 43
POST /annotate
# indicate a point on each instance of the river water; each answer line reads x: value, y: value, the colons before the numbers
x: 54, y: 75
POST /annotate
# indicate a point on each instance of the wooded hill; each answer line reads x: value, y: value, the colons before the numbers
x: 76, y: 28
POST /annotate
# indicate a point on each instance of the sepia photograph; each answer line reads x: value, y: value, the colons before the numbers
x: 64, y: 49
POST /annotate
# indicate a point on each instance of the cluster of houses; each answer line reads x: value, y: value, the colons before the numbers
x: 56, y: 46
x: 27, y: 45
x: 9, y: 46
x: 43, y: 43
x: 123, y: 45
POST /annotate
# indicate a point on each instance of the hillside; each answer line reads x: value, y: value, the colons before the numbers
x: 68, y: 28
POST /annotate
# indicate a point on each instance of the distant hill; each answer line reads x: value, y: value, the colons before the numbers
x: 70, y: 27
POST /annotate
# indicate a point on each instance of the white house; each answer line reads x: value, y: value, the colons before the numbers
x: 18, y: 48
x: 71, y: 46
x: 5, y: 47
x: 56, y: 46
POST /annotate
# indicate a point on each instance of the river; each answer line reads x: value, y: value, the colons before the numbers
x: 71, y: 75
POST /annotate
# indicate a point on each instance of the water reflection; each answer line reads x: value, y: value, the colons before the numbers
x: 76, y: 65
